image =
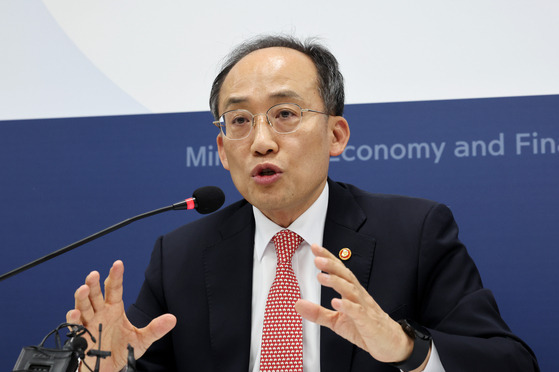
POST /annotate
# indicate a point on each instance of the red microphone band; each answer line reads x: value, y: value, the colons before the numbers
x: 190, y: 203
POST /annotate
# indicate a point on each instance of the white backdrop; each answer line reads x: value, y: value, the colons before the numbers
x: 63, y: 58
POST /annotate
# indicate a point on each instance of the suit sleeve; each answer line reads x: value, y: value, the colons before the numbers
x: 150, y: 304
x: 462, y: 316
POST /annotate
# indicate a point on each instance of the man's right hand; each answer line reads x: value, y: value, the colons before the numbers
x: 92, y: 308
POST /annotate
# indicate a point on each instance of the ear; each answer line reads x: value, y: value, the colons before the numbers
x: 340, y: 135
x: 221, y: 151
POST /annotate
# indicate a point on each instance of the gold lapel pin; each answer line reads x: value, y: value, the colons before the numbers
x: 345, y: 254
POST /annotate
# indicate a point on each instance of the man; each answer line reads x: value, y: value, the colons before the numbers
x: 404, y: 277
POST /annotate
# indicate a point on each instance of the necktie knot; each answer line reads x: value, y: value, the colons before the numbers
x: 286, y: 242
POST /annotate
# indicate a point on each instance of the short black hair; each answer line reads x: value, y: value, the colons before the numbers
x: 330, y: 80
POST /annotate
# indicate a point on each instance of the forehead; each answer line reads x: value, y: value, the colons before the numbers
x: 268, y: 75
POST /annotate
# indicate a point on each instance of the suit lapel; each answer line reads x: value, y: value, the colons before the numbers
x: 343, y: 222
x: 228, y: 274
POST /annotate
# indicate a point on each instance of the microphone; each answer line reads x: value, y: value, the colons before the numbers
x: 205, y: 200
x: 77, y: 344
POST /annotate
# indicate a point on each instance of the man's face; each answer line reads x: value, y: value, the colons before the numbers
x: 280, y: 174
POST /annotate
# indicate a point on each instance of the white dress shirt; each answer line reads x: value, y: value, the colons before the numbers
x: 310, y: 226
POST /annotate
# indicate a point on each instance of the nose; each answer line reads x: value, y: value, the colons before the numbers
x: 264, y: 140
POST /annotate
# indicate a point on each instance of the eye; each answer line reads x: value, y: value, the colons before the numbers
x: 241, y: 120
x: 286, y: 113
x: 238, y: 118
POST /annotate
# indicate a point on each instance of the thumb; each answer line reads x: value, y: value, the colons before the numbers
x: 162, y: 325
x: 157, y: 328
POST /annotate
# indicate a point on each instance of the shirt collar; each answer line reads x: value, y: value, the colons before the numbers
x: 309, y: 225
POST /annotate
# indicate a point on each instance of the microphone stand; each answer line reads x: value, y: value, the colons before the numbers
x: 100, y: 354
x: 186, y: 204
x: 131, y: 364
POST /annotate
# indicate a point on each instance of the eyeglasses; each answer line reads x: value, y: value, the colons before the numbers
x: 284, y: 118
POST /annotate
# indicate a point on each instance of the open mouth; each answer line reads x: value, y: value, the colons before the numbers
x: 266, y: 174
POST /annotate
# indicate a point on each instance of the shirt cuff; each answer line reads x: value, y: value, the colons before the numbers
x: 434, y: 364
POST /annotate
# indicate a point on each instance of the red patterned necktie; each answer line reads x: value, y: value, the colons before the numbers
x: 282, y: 334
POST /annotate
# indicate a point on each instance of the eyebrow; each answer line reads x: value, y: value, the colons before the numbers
x: 280, y: 94
x: 286, y: 94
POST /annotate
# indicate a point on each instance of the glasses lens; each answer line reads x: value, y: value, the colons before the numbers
x: 285, y: 117
x: 236, y: 124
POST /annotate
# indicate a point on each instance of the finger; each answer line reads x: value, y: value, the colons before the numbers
x: 156, y: 329
x: 338, y: 277
x: 315, y: 313
x: 334, y: 274
x: 73, y: 316
x: 160, y: 326
x: 113, y: 283
x: 83, y: 304
x: 319, y: 251
x: 95, y: 294
x: 363, y: 315
x: 327, y: 262
x: 346, y: 289
x: 349, y: 308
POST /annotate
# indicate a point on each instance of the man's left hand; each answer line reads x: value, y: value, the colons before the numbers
x: 356, y: 315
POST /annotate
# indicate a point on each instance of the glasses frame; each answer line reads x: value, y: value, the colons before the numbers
x: 218, y: 124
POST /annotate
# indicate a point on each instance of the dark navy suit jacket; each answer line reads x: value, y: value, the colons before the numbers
x: 405, y: 252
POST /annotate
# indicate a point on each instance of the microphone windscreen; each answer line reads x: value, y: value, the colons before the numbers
x: 79, y: 344
x: 208, y: 199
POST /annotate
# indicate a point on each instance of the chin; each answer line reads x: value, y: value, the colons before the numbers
x: 265, y: 201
